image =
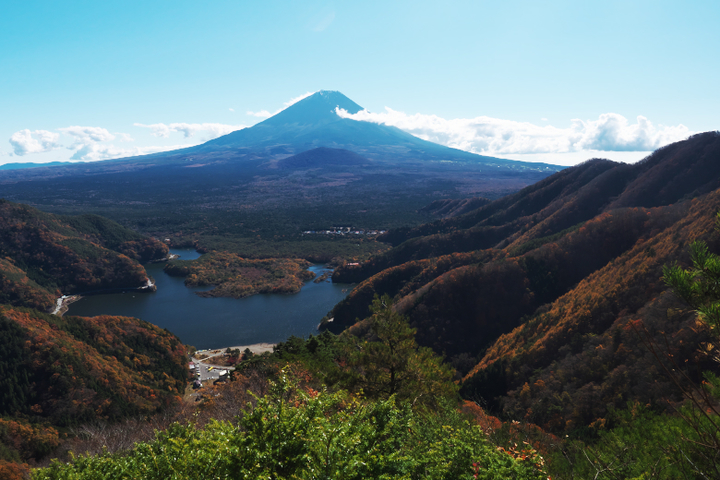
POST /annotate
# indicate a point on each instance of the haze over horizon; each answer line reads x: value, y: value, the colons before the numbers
x: 558, y: 83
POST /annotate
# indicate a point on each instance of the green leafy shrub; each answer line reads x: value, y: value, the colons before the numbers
x: 296, y: 434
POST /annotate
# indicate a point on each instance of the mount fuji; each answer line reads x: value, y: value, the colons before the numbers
x: 305, y: 166
x: 314, y: 122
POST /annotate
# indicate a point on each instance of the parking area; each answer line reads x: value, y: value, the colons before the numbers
x: 208, y: 373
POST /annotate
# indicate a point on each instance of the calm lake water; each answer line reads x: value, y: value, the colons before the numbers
x: 219, y: 322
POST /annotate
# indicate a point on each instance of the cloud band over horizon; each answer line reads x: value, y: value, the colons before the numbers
x: 492, y: 136
x: 483, y: 135
x: 91, y: 143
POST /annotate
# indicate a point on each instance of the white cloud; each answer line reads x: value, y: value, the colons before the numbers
x: 493, y: 136
x: 261, y: 113
x: 124, y: 137
x: 93, y: 143
x: 211, y: 130
x: 95, y: 151
x: 38, y: 141
x: 231, y: 109
x: 293, y: 101
x: 289, y: 103
x: 86, y: 135
x: 613, y: 132
x: 88, y: 143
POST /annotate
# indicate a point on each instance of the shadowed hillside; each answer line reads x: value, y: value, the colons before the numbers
x: 543, y: 287
x: 57, y: 372
x: 43, y: 256
x: 63, y: 371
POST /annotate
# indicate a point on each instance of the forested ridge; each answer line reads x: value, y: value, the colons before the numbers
x: 565, y: 331
x: 679, y: 171
x: 537, y: 298
x: 57, y: 373
x: 43, y: 256
x: 60, y: 372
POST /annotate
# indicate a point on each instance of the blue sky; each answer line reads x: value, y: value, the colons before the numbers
x: 558, y: 81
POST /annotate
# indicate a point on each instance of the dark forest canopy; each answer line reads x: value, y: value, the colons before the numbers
x: 543, y: 301
x: 43, y: 256
x: 533, y: 296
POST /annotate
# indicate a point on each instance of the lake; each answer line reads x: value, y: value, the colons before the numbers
x: 219, y: 322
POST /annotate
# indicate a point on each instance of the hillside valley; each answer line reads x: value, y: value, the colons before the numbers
x: 535, y: 294
x: 543, y: 299
x: 45, y: 256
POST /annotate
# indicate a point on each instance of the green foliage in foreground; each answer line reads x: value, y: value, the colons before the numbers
x: 391, y: 362
x: 650, y: 445
x: 293, y: 434
x: 384, y: 361
x: 645, y: 445
x: 699, y: 285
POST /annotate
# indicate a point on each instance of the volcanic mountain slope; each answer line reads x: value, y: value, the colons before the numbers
x: 314, y: 122
x: 322, y: 157
x: 44, y: 255
x: 306, y: 125
x: 543, y: 287
x: 305, y: 168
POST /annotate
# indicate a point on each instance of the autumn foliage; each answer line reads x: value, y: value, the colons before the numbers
x: 541, y: 289
x: 62, y: 371
x: 234, y: 276
x: 44, y: 255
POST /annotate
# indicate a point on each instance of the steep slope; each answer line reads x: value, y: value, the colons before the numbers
x: 44, y: 255
x: 74, y: 369
x: 548, y: 206
x: 540, y: 286
x: 313, y: 122
x: 64, y: 371
x: 583, y: 354
x: 681, y: 170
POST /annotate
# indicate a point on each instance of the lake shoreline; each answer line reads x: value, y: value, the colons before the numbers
x: 63, y: 304
x: 256, y: 348
x: 211, y: 323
